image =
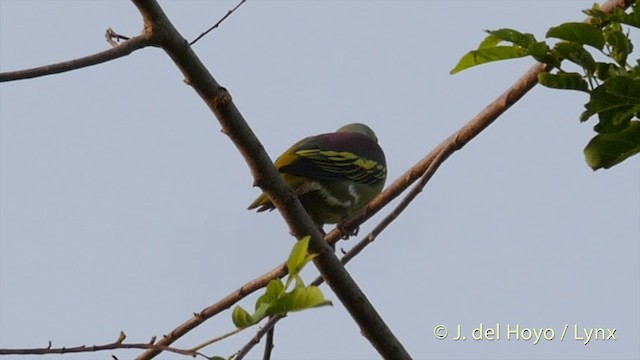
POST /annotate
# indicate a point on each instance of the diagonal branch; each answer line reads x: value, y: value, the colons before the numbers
x: 455, y: 142
x: 119, y: 51
x: 267, y: 177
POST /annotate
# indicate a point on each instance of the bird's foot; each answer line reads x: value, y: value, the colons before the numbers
x: 346, y: 232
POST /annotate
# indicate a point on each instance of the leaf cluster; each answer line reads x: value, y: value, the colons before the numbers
x: 276, y: 300
x: 613, y: 85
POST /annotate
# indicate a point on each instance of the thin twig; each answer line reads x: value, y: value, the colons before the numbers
x: 124, y: 49
x: 268, y: 344
x: 216, y: 339
x: 94, y: 348
x: 256, y: 339
x: 218, y: 23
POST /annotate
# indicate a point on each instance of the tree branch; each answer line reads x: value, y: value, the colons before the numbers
x: 268, y: 345
x: 455, y: 142
x: 121, y: 50
x: 264, y: 330
x: 118, y: 344
x: 267, y: 177
x: 218, y: 23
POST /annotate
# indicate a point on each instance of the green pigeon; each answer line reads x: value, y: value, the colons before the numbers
x: 333, y: 174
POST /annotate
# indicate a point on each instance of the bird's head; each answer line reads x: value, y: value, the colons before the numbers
x: 359, y: 128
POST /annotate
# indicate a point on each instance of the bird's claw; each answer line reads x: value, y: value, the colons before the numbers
x: 346, y: 232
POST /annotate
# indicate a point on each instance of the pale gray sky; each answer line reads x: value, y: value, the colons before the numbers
x: 122, y: 206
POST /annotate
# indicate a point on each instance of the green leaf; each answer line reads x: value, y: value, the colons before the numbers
x: 299, y: 299
x: 609, y: 121
x: 622, y: 118
x: 276, y: 300
x: 275, y: 289
x: 305, y: 298
x: 625, y: 87
x: 582, y: 33
x: 635, y: 71
x: 564, y: 81
x: 513, y: 36
x: 298, y: 281
x: 620, y: 44
x: 575, y: 53
x: 241, y: 318
x: 297, y: 257
x: 612, y: 101
x: 297, y: 260
x: 607, y: 150
x: 605, y: 70
x: 598, y: 16
x: 261, y: 313
x: 489, y: 41
x: 542, y: 53
x: 489, y: 54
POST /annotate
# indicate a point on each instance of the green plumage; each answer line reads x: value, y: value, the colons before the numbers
x: 332, y: 174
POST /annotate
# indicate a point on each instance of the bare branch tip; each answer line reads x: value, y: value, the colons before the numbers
x: 218, y: 23
x: 121, y: 337
x: 114, y: 38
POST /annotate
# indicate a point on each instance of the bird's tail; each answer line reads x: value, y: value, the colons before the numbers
x: 262, y: 203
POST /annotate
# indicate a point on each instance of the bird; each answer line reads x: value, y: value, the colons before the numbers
x: 333, y: 174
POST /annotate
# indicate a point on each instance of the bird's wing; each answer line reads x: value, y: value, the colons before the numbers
x: 335, y: 158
